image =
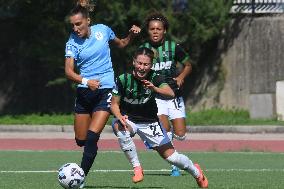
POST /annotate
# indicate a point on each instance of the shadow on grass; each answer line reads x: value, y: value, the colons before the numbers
x: 164, y: 174
x: 122, y: 187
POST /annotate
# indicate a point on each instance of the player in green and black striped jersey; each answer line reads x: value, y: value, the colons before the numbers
x: 133, y: 105
x: 167, y: 55
x: 136, y: 100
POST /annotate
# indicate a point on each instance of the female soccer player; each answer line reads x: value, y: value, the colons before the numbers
x: 134, y: 106
x: 167, y: 54
x: 88, y: 50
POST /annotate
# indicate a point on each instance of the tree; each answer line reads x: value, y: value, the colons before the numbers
x: 35, y: 32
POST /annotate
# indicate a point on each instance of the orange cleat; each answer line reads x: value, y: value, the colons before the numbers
x: 138, y: 174
x: 201, y: 180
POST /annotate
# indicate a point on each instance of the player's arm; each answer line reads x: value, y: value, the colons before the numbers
x: 163, y: 89
x: 121, y: 43
x: 70, y: 70
x: 73, y: 76
x: 184, y: 73
x: 183, y: 58
x: 115, y: 101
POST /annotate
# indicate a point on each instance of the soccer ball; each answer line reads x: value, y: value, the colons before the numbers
x: 71, y: 176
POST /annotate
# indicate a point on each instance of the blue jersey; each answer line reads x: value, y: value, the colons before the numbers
x: 92, y: 55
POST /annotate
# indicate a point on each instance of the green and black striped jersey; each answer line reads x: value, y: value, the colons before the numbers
x: 136, y: 101
x: 166, y: 57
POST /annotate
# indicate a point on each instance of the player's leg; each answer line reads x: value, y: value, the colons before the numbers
x: 177, y: 117
x: 179, y: 128
x: 168, y: 152
x: 163, y: 113
x: 81, y: 126
x: 82, y: 117
x: 156, y: 137
x: 127, y: 145
x: 97, y: 124
x: 99, y: 104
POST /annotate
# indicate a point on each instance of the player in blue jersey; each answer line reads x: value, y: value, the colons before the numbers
x: 88, y: 63
x: 134, y: 106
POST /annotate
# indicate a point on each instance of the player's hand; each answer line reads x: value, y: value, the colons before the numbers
x: 135, y: 30
x: 179, y: 81
x: 122, y: 120
x: 93, y: 84
x: 148, y: 84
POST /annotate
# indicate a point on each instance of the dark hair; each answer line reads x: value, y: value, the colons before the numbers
x: 144, y: 51
x: 157, y: 16
x: 83, y: 7
x: 80, y: 9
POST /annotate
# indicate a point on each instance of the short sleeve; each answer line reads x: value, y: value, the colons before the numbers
x: 70, y: 51
x: 181, y: 55
x: 70, y: 48
x: 111, y: 34
x: 159, y: 80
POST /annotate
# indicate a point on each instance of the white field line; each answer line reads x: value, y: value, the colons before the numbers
x: 157, y: 170
x: 148, y: 151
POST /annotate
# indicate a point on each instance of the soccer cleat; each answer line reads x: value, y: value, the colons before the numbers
x: 175, y: 171
x: 201, y: 180
x: 138, y: 174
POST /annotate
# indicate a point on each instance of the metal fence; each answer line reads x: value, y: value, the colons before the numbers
x: 258, y: 6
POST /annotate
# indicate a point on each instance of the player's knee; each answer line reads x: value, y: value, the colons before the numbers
x: 80, y: 143
x: 179, y: 137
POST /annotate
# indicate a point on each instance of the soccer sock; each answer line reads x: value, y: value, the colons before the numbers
x: 128, y: 147
x: 183, y: 162
x: 170, y: 135
x: 90, y: 151
x: 80, y: 143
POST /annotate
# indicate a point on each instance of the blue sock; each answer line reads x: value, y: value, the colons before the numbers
x: 90, y: 151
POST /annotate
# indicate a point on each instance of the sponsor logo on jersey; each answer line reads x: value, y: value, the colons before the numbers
x: 130, y: 90
x: 166, y: 54
x: 99, y: 35
x: 162, y: 66
x: 148, y: 91
x: 136, y: 101
x: 69, y: 51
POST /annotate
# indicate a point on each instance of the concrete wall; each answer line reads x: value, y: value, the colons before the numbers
x: 253, y: 60
x: 280, y: 100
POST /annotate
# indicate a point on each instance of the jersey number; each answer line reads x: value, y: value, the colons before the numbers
x: 156, y: 130
x: 109, y: 99
x: 177, y: 102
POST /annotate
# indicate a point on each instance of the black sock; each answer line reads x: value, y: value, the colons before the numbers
x: 90, y: 151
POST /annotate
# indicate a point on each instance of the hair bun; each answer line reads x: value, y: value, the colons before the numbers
x: 87, y: 4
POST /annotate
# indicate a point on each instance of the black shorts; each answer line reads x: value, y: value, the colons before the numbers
x: 88, y: 101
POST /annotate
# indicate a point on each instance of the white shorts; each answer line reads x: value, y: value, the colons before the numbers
x: 173, y: 108
x: 152, y: 134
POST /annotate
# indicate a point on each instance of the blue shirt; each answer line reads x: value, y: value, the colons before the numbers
x: 92, y: 55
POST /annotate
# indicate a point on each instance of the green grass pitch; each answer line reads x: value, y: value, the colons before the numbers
x: 236, y: 170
